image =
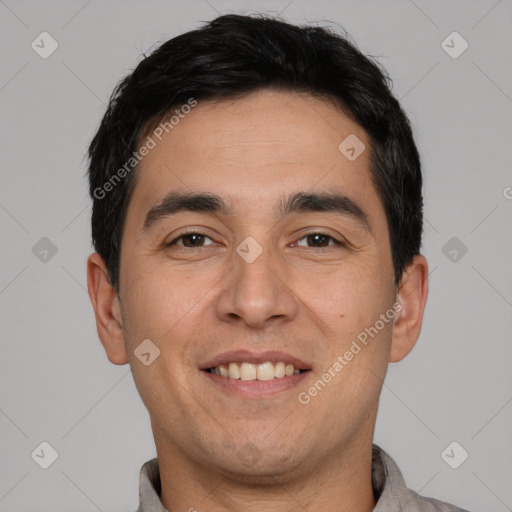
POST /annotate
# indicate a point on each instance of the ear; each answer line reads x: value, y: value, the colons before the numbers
x: 106, y: 309
x: 412, y: 297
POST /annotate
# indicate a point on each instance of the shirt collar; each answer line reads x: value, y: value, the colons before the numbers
x: 388, y: 484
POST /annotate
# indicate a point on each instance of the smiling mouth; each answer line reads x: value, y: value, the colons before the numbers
x: 268, y: 370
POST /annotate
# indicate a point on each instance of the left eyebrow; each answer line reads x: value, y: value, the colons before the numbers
x: 331, y: 203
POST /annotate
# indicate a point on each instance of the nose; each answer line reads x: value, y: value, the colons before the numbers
x: 256, y: 293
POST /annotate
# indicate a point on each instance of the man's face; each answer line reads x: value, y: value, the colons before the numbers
x: 198, y: 297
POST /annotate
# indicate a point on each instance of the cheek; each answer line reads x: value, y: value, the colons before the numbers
x: 154, y: 302
x: 350, y: 294
x: 348, y: 305
x: 159, y: 308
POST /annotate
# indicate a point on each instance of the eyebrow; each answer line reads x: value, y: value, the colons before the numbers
x: 177, y: 202
x: 339, y: 204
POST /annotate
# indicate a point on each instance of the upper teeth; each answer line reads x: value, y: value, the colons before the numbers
x: 250, y: 371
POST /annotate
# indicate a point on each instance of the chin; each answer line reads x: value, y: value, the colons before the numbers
x: 258, y: 466
x: 263, y: 474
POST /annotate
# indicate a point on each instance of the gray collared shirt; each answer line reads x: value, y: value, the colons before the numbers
x: 388, y: 486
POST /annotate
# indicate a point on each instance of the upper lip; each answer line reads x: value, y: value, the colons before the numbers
x: 248, y: 356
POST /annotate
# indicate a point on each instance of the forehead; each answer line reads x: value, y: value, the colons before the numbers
x: 255, y: 150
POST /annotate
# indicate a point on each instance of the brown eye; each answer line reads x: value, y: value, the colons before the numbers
x: 192, y: 240
x: 319, y: 240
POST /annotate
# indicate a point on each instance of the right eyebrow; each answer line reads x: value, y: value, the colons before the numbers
x: 176, y: 202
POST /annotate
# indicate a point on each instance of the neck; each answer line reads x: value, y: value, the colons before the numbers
x: 340, y: 482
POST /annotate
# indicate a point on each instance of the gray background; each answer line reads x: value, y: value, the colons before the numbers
x: 57, y: 384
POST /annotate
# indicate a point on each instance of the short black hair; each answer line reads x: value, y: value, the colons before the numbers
x: 234, y: 55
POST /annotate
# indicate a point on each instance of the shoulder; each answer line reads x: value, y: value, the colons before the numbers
x: 424, y: 504
x: 393, y: 494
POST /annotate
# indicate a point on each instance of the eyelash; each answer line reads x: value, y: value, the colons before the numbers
x: 336, y: 242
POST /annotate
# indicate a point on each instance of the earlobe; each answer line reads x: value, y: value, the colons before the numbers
x: 106, y: 309
x: 412, y: 298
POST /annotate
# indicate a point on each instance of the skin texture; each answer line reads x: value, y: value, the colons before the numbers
x: 219, y: 451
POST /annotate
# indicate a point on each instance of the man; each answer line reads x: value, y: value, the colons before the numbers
x: 257, y: 219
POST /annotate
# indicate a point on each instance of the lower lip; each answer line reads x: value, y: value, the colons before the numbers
x: 256, y: 388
